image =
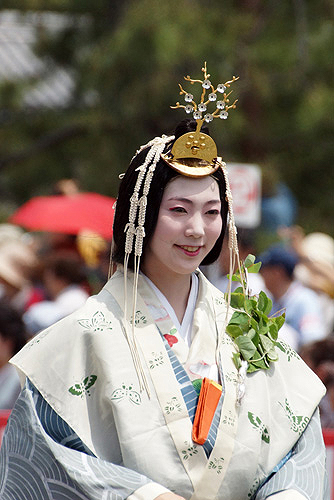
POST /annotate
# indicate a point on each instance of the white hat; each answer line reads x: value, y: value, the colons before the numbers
x: 319, y: 248
x: 16, y: 259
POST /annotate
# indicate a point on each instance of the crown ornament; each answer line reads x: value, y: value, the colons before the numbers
x: 195, y: 153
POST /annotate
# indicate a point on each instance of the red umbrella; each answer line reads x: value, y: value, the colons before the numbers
x: 67, y: 214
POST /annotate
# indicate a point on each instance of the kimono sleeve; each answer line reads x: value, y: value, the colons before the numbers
x: 41, y: 457
x: 302, y: 474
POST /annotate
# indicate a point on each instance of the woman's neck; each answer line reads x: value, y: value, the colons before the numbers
x: 176, y: 289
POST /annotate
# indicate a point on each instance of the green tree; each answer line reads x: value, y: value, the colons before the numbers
x: 126, y: 59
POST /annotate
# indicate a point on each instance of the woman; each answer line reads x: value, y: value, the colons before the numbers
x: 110, y: 397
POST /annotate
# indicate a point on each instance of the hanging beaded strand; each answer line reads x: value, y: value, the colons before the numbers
x: 233, y: 257
x: 134, y: 241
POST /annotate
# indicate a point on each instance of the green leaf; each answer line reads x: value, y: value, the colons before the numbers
x: 269, y: 306
x: 249, y: 260
x: 236, y: 360
x: 255, y: 268
x: 246, y: 347
x: 239, y: 318
x: 279, y: 320
x: 263, y: 301
x: 254, y: 324
x: 250, y: 305
x: 237, y: 300
x: 263, y: 328
x: 260, y: 365
x: 252, y: 333
x: 272, y: 354
x: 252, y: 368
x: 273, y: 331
x: 234, y: 330
x: 267, y: 344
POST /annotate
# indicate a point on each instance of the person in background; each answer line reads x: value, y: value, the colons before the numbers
x: 301, y: 305
x: 319, y: 356
x: 64, y: 279
x: 12, y: 339
x: 18, y: 267
x: 315, y: 267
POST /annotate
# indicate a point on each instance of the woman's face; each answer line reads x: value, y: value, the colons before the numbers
x: 189, y: 223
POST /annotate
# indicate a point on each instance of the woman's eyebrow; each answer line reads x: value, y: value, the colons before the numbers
x: 186, y: 200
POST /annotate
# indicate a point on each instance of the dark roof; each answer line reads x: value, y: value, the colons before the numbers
x: 18, y: 31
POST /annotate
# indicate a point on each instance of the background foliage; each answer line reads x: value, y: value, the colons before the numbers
x: 126, y: 59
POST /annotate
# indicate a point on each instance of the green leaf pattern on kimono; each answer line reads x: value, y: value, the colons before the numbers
x: 290, y: 353
x: 217, y: 464
x: 37, y: 339
x: 220, y: 301
x: 191, y: 450
x: 97, y: 323
x: 140, y: 319
x: 173, y: 405
x: 228, y: 419
x: 259, y: 425
x: 81, y: 388
x: 298, y: 423
x: 128, y: 393
x: 157, y: 360
x: 232, y: 377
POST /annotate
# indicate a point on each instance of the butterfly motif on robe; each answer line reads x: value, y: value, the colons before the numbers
x: 126, y: 392
x: 80, y: 388
x: 297, y: 422
x: 258, y: 424
x: 97, y: 323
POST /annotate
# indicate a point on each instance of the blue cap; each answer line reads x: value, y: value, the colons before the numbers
x: 279, y: 255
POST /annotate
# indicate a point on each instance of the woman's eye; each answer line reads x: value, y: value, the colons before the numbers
x: 178, y: 209
x: 214, y: 211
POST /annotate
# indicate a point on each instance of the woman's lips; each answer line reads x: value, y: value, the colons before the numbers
x: 189, y: 250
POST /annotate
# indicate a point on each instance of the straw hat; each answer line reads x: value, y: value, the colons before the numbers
x: 16, y: 259
x: 318, y: 248
x: 9, y: 232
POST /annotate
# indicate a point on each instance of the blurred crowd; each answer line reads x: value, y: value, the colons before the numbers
x: 45, y: 276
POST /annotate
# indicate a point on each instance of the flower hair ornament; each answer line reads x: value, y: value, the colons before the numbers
x: 193, y: 154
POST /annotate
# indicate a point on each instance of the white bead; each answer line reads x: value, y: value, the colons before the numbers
x: 188, y: 97
x: 221, y: 88
x: 189, y: 108
x: 202, y: 107
x: 197, y: 115
x: 208, y: 117
x: 220, y: 104
x: 206, y: 84
x: 223, y: 115
x: 212, y: 96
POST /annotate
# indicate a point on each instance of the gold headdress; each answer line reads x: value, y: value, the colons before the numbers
x: 195, y: 154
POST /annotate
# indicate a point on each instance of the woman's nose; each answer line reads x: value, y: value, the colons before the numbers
x: 195, y: 227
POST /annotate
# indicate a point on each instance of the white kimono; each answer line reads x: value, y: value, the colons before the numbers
x: 90, y: 433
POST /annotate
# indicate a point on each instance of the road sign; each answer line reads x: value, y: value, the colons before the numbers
x: 245, y: 181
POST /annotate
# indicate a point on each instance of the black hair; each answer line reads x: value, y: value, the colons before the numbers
x: 12, y: 326
x: 162, y: 175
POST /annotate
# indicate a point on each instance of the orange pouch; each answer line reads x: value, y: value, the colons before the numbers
x: 207, y: 403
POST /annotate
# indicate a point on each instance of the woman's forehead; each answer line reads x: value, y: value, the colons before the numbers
x: 182, y: 186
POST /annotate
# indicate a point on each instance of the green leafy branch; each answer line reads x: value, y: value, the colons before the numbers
x: 253, y: 331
